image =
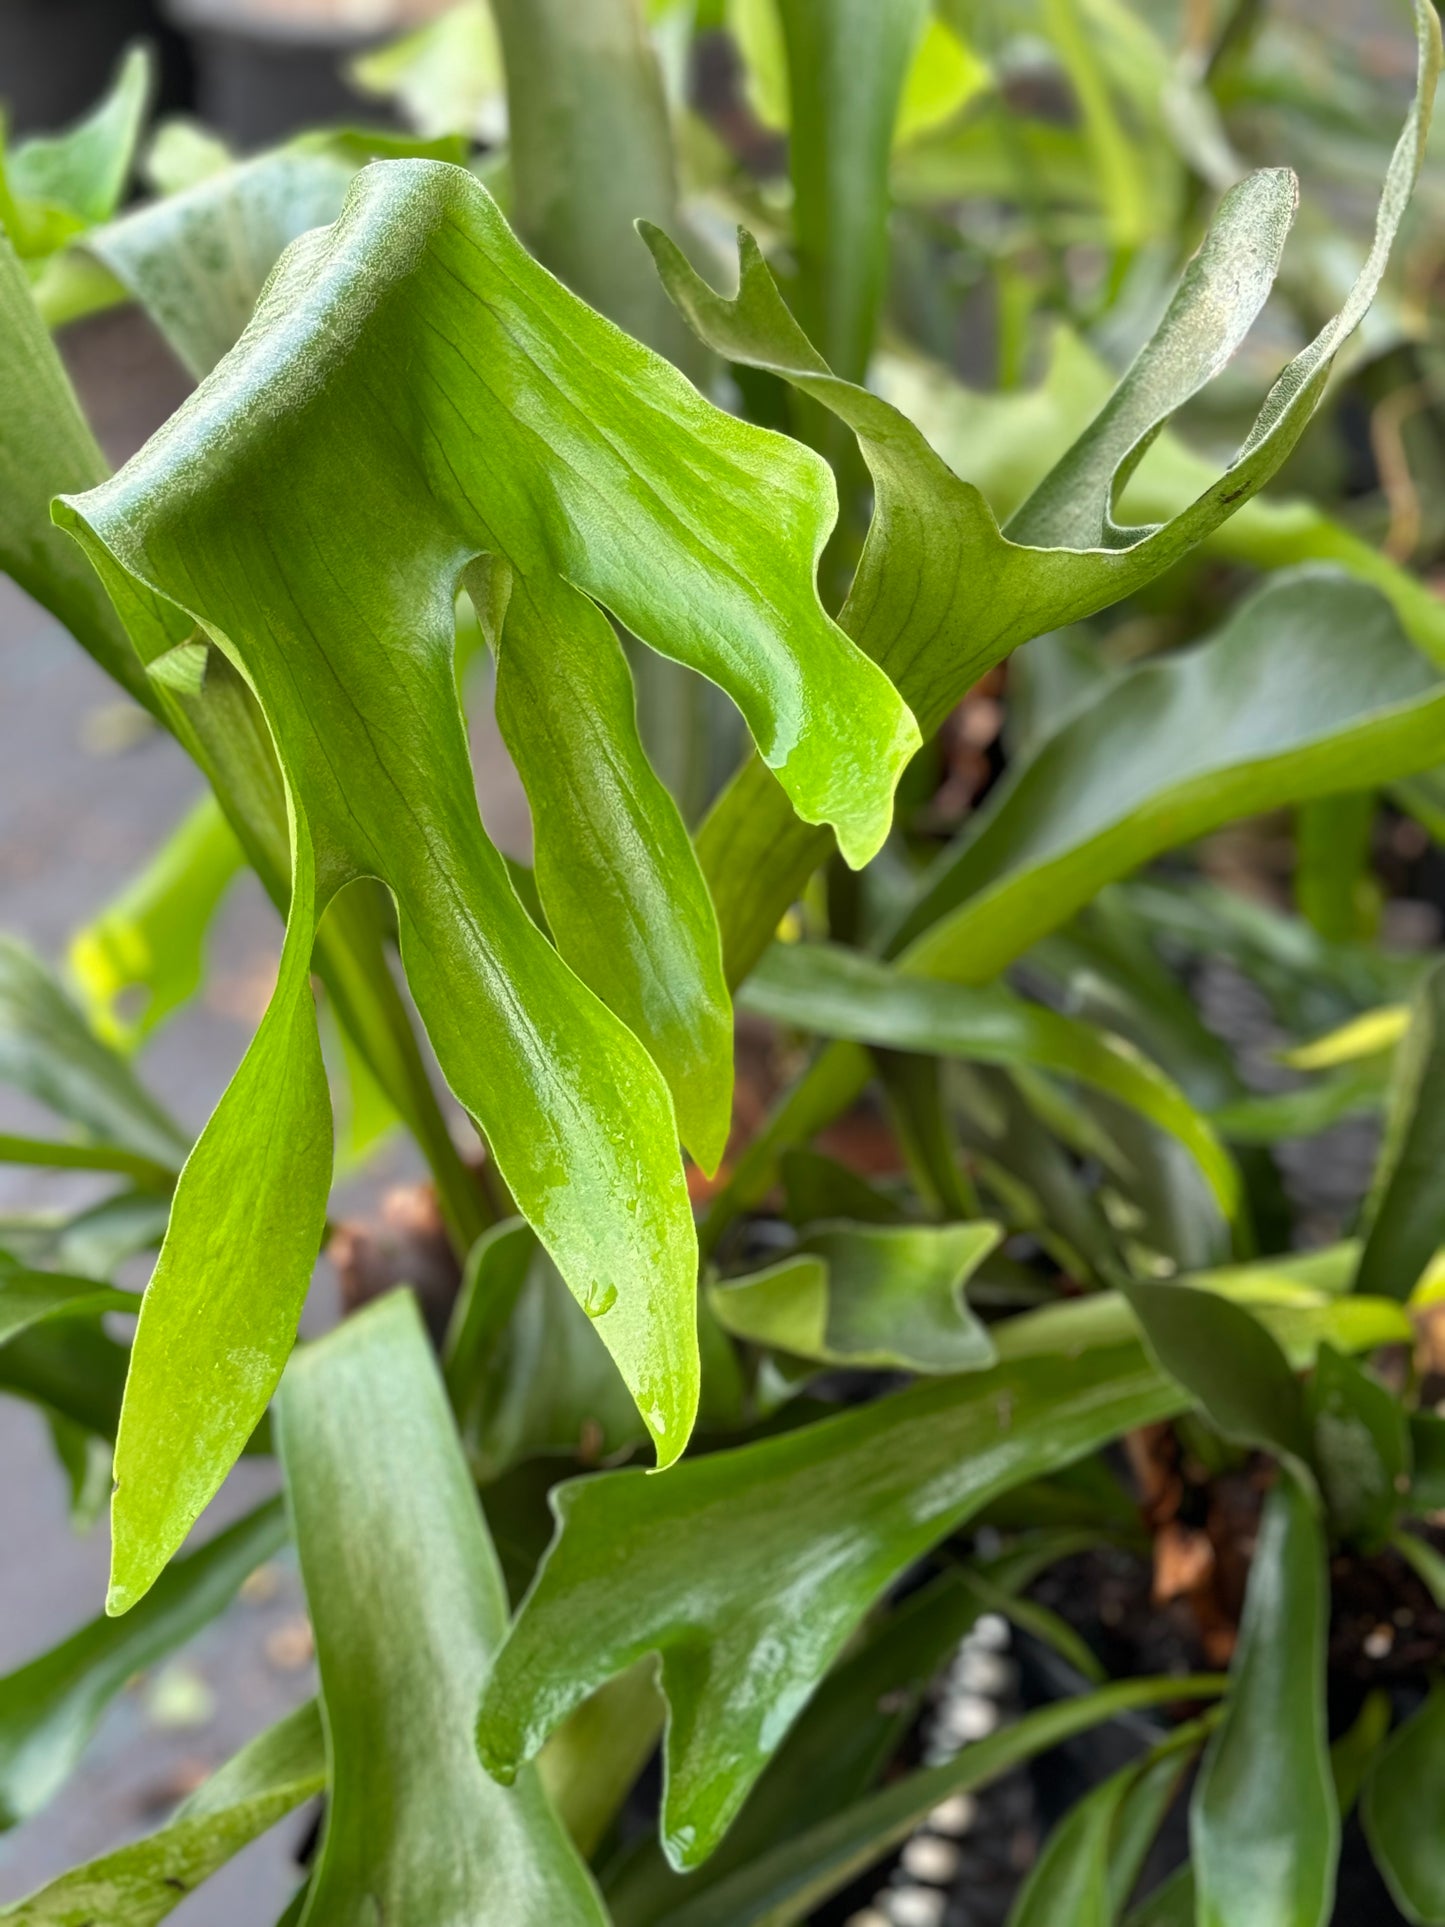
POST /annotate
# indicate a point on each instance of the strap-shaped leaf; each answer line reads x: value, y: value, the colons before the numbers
x: 590, y: 148
x: 219, y: 1315
x: 140, y: 1884
x: 1264, y: 1822
x: 49, y: 1051
x: 1406, y: 1212
x: 1310, y: 687
x: 1353, y: 1752
x: 49, y: 1708
x: 1145, y: 1807
x: 747, y: 1569
x: 847, y: 61
x: 1075, y: 1877
x: 1170, y: 1905
x: 883, y: 1295
x: 940, y: 594
x: 75, y: 1370
x: 843, y: 994
x: 283, y: 511
x: 408, y: 1605
x: 31, y: 1297
x: 616, y: 871
x: 1403, y: 1809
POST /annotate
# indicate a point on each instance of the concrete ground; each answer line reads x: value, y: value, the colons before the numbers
x: 87, y: 790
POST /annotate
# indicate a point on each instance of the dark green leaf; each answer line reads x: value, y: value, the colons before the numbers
x: 30, y: 1297
x: 1427, y: 1456
x: 49, y: 1708
x: 816, y: 1187
x: 1144, y: 1808
x: 833, y: 1081
x: 1360, y: 1447
x: 1407, y: 1206
x: 1403, y: 1808
x: 70, y: 1366
x: 1228, y: 1360
x: 730, y: 1579
x: 1072, y: 1879
x: 1264, y: 1823
x: 1352, y: 1753
x: 841, y: 993
x: 1310, y: 686
x: 916, y: 1092
x: 1024, y: 1167
x: 747, y: 1569
x: 407, y: 1602
x: 1170, y: 1905
x: 525, y: 1368
x: 834, y: 1754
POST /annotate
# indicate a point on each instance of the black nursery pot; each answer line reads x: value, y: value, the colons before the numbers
x: 58, y: 56
x: 1061, y: 1777
x: 262, y: 74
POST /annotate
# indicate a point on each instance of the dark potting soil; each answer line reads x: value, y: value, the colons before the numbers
x: 1386, y: 1631
x: 1385, y: 1628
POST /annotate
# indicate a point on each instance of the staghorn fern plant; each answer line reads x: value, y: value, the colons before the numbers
x: 880, y: 1402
